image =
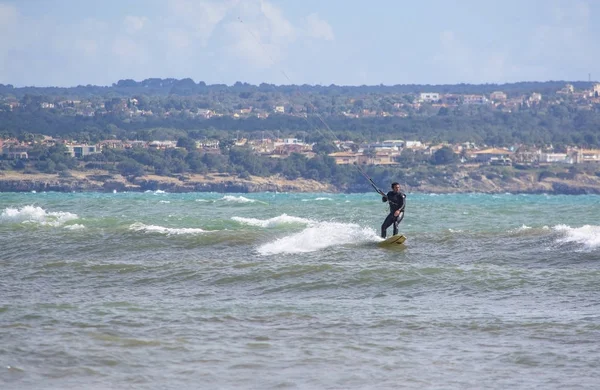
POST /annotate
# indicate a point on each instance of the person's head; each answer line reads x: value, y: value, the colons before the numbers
x: 395, y: 186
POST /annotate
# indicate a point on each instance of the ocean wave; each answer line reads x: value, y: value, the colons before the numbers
x: 36, y: 215
x: 520, y: 229
x: 74, y: 227
x: 283, y: 219
x: 140, y: 227
x: 320, y: 236
x: 239, y: 199
x: 318, y: 199
x: 587, y: 235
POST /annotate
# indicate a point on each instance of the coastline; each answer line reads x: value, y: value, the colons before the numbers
x: 104, y: 181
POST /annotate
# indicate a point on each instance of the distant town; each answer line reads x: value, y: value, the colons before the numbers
x: 213, y: 104
x: 384, y: 153
x: 173, y: 128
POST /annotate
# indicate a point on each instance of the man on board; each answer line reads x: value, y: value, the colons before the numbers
x: 397, y: 201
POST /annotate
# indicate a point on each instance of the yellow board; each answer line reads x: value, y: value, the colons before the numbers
x: 393, y: 240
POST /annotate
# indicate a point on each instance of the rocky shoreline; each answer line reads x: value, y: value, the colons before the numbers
x: 98, y: 181
x: 101, y: 181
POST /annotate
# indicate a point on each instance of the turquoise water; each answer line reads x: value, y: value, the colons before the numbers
x: 275, y: 291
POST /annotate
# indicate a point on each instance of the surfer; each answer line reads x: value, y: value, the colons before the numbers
x: 397, y: 201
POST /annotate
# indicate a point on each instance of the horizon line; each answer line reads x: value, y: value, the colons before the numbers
x: 381, y: 85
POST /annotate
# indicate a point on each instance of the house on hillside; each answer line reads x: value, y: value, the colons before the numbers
x: 384, y: 158
x: 79, y: 151
x: 587, y: 156
x: 162, y: 145
x: 492, y: 155
x: 527, y: 154
x: 549, y: 158
x: 15, y: 153
x: 429, y: 97
x: 498, y: 97
x: 474, y: 99
x: 348, y: 158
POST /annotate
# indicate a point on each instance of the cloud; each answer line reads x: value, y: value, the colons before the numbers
x: 318, y: 28
x: 201, y: 39
x: 9, y: 20
x: 8, y: 16
x: 561, y: 46
x: 134, y: 24
x: 178, y: 38
x: 457, y: 61
x: 88, y: 47
x: 453, y: 55
x: 567, y: 31
x: 198, y: 18
x: 280, y: 29
x: 259, y: 36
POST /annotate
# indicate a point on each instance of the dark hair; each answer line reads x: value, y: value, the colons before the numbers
x: 395, y: 184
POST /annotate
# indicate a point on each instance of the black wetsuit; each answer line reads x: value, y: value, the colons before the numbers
x: 397, y: 202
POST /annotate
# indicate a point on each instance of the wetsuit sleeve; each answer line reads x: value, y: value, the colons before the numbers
x: 402, y: 200
x: 387, y: 196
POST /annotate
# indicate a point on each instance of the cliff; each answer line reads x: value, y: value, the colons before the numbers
x: 460, y: 182
x: 100, y: 181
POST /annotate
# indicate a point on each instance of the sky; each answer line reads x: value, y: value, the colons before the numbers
x: 343, y: 42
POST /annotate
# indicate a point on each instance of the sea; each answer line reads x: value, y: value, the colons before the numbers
x: 163, y: 290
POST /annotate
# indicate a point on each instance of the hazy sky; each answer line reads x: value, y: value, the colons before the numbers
x: 343, y: 42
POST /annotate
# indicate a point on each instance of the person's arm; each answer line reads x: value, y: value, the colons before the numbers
x: 384, y: 198
x: 402, y: 201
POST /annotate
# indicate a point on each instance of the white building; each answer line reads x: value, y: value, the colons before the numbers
x: 414, y: 145
x: 555, y: 158
x: 498, y: 96
x: 80, y: 151
x: 429, y: 97
x: 474, y: 99
x: 535, y: 97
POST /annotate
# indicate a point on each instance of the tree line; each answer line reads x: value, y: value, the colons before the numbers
x: 558, y: 125
x: 188, y: 87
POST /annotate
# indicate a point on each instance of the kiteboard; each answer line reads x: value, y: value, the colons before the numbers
x: 393, y: 240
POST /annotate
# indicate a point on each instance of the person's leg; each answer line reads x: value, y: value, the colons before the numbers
x: 397, y: 221
x: 389, y: 220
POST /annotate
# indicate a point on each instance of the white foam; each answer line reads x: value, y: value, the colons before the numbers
x: 75, y: 227
x: 320, y: 236
x: 283, y: 219
x: 321, y: 198
x: 36, y: 214
x: 237, y: 199
x: 587, y: 235
x: 140, y: 227
x: 520, y: 229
